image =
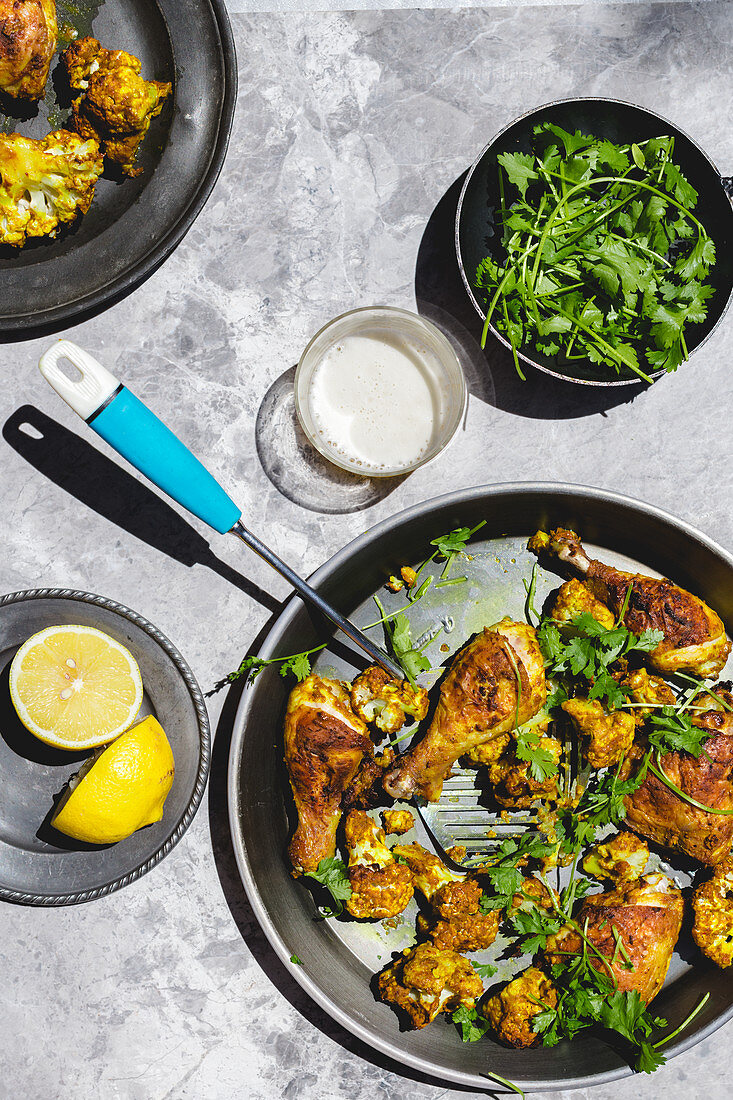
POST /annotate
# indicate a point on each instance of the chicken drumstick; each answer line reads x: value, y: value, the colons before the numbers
x: 496, y: 680
x: 694, y: 636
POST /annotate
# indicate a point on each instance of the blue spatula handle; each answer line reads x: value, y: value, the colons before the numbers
x: 129, y: 426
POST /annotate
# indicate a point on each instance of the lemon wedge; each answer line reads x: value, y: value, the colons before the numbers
x: 74, y: 687
x: 121, y: 789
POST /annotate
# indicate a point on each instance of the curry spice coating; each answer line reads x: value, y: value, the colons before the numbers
x: 425, y: 981
x: 28, y: 38
x: 712, y: 904
x: 512, y: 1010
x: 380, y: 886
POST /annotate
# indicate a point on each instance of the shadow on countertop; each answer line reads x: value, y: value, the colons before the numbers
x: 490, y: 374
x: 246, y: 921
x: 97, y: 482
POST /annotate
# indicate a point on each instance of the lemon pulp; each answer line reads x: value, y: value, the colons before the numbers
x: 74, y: 687
x: 121, y: 789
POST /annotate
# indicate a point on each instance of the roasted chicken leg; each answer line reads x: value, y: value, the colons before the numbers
x: 325, y: 743
x: 656, y: 812
x: 694, y: 636
x: 644, y: 916
x: 28, y: 35
x: 495, y: 681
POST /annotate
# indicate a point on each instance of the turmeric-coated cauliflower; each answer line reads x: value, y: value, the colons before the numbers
x: 117, y: 105
x: 425, y: 981
x: 44, y: 184
x: 608, y: 737
x: 455, y: 920
x: 513, y: 784
x: 620, y: 859
x: 397, y: 821
x: 385, y: 702
x: 512, y: 1010
x: 645, y: 687
x: 380, y: 886
x: 575, y: 598
x: 712, y: 903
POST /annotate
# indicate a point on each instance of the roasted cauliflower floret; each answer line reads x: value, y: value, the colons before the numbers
x: 512, y: 1010
x: 575, y: 598
x: 397, y: 821
x: 608, y: 737
x: 384, y: 702
x: 45, y: 183
x: 117, y: 105
x: 620, y: 859
x: 645, y: 687
x: 490, y: 751
x: 380, y: 887
x: 712, y: 903
x: 455, y: 920
x: 425, y: 981
x: 533, y: 893
x: 513, y: 783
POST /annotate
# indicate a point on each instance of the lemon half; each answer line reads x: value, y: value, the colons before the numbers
x: 121, y: 789
x: 74, y: 687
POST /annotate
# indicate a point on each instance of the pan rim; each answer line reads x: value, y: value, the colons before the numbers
x: 311, y: 987
x: 459, y: 209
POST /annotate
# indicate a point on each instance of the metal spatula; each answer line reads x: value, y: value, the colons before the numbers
x: 129, y: 426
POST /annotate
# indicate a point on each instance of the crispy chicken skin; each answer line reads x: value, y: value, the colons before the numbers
x: 117, y: 105
x: 380, y: 886
x: 656, y: 812
x: 478, y: 701
x: 28, y: 36
x: 694, y: 636
x: 607, y: 737
x: 512, y: 1010
x: 325, y: 743
x: 425, y: 981
x: 646, y: 916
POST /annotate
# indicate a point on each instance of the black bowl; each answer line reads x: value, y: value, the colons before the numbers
x: 621, y: 123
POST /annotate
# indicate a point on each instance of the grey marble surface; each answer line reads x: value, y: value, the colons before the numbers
x: 351, y: 132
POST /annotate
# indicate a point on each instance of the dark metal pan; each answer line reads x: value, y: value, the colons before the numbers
x: 622, y: 123
x: 133, y: 224
x: 340, y: 957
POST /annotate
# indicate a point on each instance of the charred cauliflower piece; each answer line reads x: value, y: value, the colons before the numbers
x: 456, y: 920
x: 117, y: 105
x: 45, y: 183
x: 425, y: 981
x: 712, y: 903
x: 608, y: 736
x: 575, y: 598
x: 380, y: 887
x: 645, y: 687
x: 490, y: 751
x: 384, y: 702
x: 512, y: 1010
x: 28, y: 36
x: 513, y: 784
x: 620, y: 859
x: 397, y: 821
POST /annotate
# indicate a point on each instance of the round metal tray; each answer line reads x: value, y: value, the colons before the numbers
x: 340, y: 957
x: 133, y: 224
x: 39, y: 866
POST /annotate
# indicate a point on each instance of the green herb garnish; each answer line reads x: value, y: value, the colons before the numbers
x: 331, y: 874
x: 603, y: 258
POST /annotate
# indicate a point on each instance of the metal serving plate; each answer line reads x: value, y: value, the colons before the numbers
x: 132, y: 224
x: 39, y: 866
x: 340, y: 957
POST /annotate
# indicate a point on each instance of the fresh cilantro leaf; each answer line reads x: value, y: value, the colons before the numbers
x: 534, y: 925
x: 331, y: 874
x: 296, y: 960
x: 472, y: 1025
x: 648, y: 1059
x: 673, y: 731
x: 520, y: 170
x: 296, y: 663
x: 412, y: 660
x: 542, y: 764
x: 299, y: 665
x: 456, y: 541
x: 484, y: 970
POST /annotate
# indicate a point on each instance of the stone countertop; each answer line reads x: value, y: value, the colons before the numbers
x: 351, y: 132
